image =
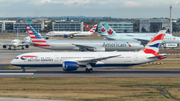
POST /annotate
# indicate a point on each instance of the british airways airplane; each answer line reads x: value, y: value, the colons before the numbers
x: 74, y: 60
x: 109, y: 34
x: 72, y: 34
x: 82, y: 45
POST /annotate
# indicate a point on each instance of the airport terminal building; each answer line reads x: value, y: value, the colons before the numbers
x: 154, y: 25
x: 67, y: 25
x: 120, y: 27
x: 13, y: 26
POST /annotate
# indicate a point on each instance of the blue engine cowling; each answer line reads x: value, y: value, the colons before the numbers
x: 65, y: 36
x: 70, y: 65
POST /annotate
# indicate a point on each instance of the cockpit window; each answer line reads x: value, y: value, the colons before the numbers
x: 16, y: 58
x: 14, y: 42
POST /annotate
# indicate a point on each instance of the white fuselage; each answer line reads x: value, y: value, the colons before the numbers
x: 56, y: 59
x: 75, y: 34
x: 15, y: 43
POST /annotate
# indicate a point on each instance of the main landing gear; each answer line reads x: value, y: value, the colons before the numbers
x: 23, y: 69
x: 89, y: 68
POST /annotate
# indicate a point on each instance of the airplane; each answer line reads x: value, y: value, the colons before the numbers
x: 73, y: 60
x: 71, y: 34
x: 144, y: 38
x: 81, y: 45
x: 17, y: 43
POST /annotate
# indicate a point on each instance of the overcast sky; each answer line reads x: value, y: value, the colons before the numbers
x: 90, y: 8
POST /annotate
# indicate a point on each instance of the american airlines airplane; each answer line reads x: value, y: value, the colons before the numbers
x: 73, y: 60
x: 81, y: 45
x: 17, y: 43
x: 109, y: 34
x: 72, y: 34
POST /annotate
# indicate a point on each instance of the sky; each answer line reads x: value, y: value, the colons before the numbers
x: 90, y: 8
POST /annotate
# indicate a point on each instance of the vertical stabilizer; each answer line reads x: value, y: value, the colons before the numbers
x: 153, y: 46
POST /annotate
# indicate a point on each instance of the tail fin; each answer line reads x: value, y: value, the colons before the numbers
x: 103, y: 30
x: 110, y: 31
x: 36, y: 38
x: 153, y: 46
x: 93, y: 29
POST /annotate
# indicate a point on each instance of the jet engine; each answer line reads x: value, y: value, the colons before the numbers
x: 27, y: 46
x: 47, y: 37
x: 65, y: 36
x: 4, y: 46
x: 70, y: 65
x: 99, y: 49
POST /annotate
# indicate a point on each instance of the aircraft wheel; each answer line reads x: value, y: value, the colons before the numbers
x: 9, y: 48
x: 90, y: 70
x: 22, y: 48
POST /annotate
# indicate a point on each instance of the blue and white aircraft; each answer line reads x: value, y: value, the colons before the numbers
x: 73, y: 60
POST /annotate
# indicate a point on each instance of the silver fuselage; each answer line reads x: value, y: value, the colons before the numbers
x: 108, y: 45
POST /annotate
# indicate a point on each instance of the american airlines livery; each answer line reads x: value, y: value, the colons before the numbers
x: 72, y: 34
x: 81, y: 45
x: 109, y: 34
x: 73, y: 60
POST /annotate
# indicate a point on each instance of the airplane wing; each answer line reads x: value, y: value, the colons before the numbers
x: 22, y: 44
x: 109, y: 38
x: 143, y: 41
x: 94, y: 60
x: 6, y: 44
x: 5, y: 40
x: 83, y: 46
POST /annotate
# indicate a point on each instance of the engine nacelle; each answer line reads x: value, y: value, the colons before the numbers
x: 70, y: 65
x: 4, y: 46
x: 27, y: 46
x: 47, y: 37
x: 99, y: 49
x: 65, y: 35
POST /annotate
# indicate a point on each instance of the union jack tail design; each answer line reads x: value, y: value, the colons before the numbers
x: 93, y: 29
x: 36, y: 38
x: 153, y: 46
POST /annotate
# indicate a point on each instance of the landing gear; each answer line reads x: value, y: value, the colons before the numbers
x: 23, y: 69
x: 89, y: 68
x: 22, y: 48
x: 9, y: 48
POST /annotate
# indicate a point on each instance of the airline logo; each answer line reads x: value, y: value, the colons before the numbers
x: 103, y: 30
x: 153, y: 46
x: 26, y: 56
x: 110, y: 32
x: 93, y: 29
x: 37, y: 40
x: 128, y: 44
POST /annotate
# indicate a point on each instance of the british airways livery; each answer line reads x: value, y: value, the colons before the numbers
x: 72, y: 34
x: 82, y: 45
x: 74, y: 60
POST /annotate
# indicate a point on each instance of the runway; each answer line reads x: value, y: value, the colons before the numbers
x: 98, y: 72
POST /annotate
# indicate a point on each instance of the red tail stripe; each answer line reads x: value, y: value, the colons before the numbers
x: 38, y: 41
x: 33, y: 37
x: 159, y: 37
x: 150, y: 51
x: 41, y: 45
x: 29, y: 29
x: 31, y: 33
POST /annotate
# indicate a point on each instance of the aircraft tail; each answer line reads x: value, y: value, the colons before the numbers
x: 153, y: 46
x: 36, y: 38
x: 110, y: 31
x: 102, y: 29
x: 93, y: 29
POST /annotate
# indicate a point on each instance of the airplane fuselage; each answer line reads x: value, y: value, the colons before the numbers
x: 107, y: 45
x: 56, y: 59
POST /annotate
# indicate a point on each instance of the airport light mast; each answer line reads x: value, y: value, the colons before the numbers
x: 170, y: 20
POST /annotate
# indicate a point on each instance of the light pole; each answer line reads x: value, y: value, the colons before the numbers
x: 170, y: 20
